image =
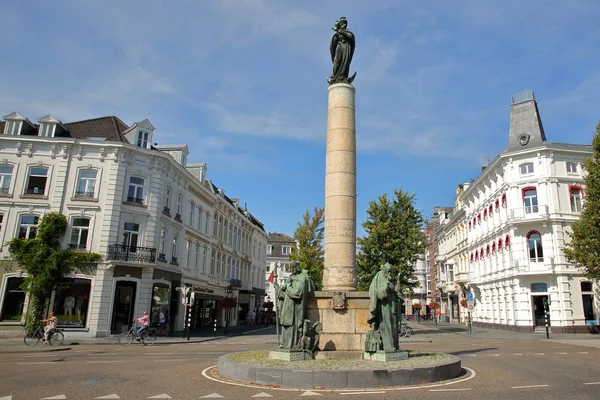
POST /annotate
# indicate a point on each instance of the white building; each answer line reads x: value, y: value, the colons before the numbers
x: 149, y: 213
x: 279, y: 248
x: 517, y: 215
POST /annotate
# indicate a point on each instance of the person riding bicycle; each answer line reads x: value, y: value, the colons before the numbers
x: 50, y: 326
x: 144, y: 322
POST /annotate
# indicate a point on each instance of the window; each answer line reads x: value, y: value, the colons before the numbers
x: 206, y: 222
x: 1, y: 220
x: 285, y: 250
x: 161, y: 244
x: 587, y: 297
x: 79, y: 233
x: 530, y: 201
x: 135, y: 192
x: 526, y: 168
x: 491, y: 209
x: 12, y: 127
x: 13, y: 299
x: 199, y: 222
x: 197, y: 258
x: 167, y: 206
x: 174, y: 249
x: 131, y: 233
x: 269, y: 250
x: 142, y: 139
x: 500, y: 245
x: 5, y: 177
x: 179, y: 198
x: 36, y: 184
x: 497, y: 204
x: 86, y: 184
x: 188, y: 253
x: 28, y: 226
x: 503, y: 200
x: 507, y: 242
x: 571, y: 168
x: 487, y: 250
x: 47, y: 130
x: 484, y: 215
x: 192, y: 212
x: 534, y: 244
x: 71, y: 302
x: 494, y: 248
x: 576, y: 195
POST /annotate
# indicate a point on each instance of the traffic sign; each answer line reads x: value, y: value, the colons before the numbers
x: 470, y: 297
x: 470, y: 307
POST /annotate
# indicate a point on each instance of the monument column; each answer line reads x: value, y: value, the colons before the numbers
x: 339, y: 272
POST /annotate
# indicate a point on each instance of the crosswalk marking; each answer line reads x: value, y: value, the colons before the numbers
x: 530, y: 386
x: 59, y: 397
x: 108, y: 396
x: 309, y: 393
x: 6, y: 398
x: 161, y: 396
x: 212, y: 396
x: 262, y: 394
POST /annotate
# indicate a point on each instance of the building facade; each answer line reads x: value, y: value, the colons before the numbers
x: 143, y: 207
x: 279, y: 248
x: 517, y: 215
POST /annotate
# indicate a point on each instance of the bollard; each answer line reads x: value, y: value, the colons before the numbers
x: 215, y: 328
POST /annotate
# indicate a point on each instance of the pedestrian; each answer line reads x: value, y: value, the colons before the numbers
x: 162, y: 323
x: 252, y: 317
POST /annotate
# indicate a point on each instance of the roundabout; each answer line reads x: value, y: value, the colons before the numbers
x: 256, y: 369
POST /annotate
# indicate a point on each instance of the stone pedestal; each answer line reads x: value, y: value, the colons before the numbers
x: 289, y: 355
x: 339, y: 272
x: 386, y: 356
x: 345, y: 327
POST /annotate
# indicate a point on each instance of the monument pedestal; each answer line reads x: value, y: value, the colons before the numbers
x: 289, y: 355
x: 344, y: 321
x: 386, y: 356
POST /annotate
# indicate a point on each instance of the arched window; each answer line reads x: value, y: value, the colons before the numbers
x: 507, y: 242
x: 534, y: 246
x: 494, y: 248
x: 485, y: 214
x: 479, y: 218
x: 500, y: 245
x: 472, y: 257
x: 575, y: 196
x: 490, y: 209
x: 487, y: 250
x: 503, y: 200
x: 469, y: 225
x: 497, y: 204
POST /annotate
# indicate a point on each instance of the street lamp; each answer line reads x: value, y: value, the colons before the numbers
x: 229, y: 292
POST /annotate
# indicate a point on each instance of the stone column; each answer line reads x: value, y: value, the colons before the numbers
x: 340, y: 191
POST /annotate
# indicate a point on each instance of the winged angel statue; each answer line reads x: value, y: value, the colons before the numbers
x: 341, y: 47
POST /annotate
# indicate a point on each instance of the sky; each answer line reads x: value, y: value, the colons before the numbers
x: 244, y: 84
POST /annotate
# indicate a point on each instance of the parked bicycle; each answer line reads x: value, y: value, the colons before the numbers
x: 55, y: 337
x: 405, y: 330
x: 148, y: 336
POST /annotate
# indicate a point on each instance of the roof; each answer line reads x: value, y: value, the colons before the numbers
x: 109, y: 127
x: 280, y: 238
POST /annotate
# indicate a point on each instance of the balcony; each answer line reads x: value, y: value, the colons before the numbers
x: 167, y: 211
x: 178, y: 217
x: 132, y: 254
x: 84, y: 195
x: 528, y: 213
x: 174, y: 261
x: 135, y: 200
x: 162, y: 257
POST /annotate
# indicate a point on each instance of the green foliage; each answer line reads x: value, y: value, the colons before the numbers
x: 45, y: 263
x: 584, y: 248
x: 395, y: 235
x: 309, y: 235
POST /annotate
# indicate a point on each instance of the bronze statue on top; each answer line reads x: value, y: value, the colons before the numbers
x: 341, y: 47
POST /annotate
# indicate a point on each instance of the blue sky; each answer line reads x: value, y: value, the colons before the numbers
x: 243, y: 83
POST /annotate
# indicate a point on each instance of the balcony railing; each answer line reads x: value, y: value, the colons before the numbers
x: 134, y: 254
x: 138, y: 200
x: 35, y: 191
x: 529, y: 212
x: 162, y: 257
x: 84, y: 195
x: 167, y: 211
x: 178, y: 217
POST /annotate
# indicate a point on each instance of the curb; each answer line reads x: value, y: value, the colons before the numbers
x: 48, y: 350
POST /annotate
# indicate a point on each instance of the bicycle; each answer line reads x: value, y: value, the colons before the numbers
x: 55, y: 337
x: 405, y: 330
x: 148, y: 336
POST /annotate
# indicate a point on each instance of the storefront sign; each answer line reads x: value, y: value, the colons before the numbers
x: 539, y: 287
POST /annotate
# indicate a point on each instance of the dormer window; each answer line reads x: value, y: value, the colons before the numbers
x: 142, y: 139
x: 47, y: 130
x: 12, y: 127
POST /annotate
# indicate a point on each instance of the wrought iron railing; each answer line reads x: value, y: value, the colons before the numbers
x: 84, y: 195
x: 167, y: 210
x: 178, y: 217
x: 35, y: 191
x: 138, y: 200
x: 133, y: 254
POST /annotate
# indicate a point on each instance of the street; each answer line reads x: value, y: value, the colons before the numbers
x: 528, y: 367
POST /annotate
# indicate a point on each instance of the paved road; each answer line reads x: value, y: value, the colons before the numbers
x: 505, y: 369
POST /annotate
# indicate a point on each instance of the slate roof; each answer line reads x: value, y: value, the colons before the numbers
x: 109, y: 127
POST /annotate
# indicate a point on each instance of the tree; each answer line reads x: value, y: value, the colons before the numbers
x: 309, y: 235
x: 395, y: 235
x: 584, y: 248
x: 44, y: 263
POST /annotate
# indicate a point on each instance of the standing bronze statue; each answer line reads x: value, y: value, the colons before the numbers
x: 291, y: 308
x: 341, y: 47
x: 384, y: 310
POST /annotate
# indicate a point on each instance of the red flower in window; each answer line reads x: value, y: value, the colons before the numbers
x: 487, y: 250
x: 497, y: 204
x: 507, y: 242
x: 499, y: 244
x: 491, y: 209
x: 493, y: 248
x: 484, y: 214
x: 504, y: 200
